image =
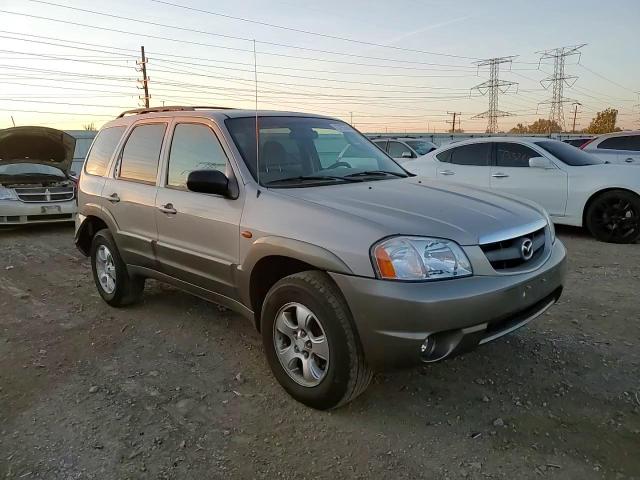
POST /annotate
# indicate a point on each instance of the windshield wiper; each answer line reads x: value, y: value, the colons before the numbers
x: 303, y: 178
x: 384, y: 173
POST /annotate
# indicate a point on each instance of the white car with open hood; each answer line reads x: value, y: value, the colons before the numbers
x: 35, y: 186
x: 575, y: 188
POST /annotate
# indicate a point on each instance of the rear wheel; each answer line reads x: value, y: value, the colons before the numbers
x: 110, y: 274
x: 310, y: 341
x: 614, y: 217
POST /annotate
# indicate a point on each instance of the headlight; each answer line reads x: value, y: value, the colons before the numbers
x: 552, y: 228
x: 419, y: 258
x: 8, y: 194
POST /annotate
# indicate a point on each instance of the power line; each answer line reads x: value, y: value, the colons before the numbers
x: 494, y: 86
x: 558, y: 80
x: 203, y: 32
x: 309, y: 32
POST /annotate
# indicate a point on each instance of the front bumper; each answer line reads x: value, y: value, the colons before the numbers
x: 20, y: 213
x: 393, y: 319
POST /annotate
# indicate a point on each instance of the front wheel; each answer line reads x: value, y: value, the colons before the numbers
x: 614, y: 217
x: 310, y: 341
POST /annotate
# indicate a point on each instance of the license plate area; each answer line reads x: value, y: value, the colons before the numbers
x: 50, y: 209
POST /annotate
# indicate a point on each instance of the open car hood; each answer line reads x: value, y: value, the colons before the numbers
x: 41, y: 145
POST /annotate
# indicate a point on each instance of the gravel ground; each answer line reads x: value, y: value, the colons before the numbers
x: 177, y: 388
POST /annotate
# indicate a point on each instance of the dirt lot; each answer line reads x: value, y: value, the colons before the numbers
x: 176, y: 388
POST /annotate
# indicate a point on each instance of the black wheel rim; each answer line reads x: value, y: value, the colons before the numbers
x: 615, y: 219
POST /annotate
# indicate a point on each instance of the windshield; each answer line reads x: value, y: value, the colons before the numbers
x: 29, y: 169
x: 420, y: 146
x: 568, y: 154
x: 306, y: 150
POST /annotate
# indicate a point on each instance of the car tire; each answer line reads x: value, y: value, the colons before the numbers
x: 110, y: 274
x: 614, y: 217
x: 325, y: 383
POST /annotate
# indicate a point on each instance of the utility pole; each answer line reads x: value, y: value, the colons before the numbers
x: 575, y: 114
x: 494, y: 87
x: 558, y: 80
x: 453, y: 120
x: 13, y: 121
x: 145, y: 80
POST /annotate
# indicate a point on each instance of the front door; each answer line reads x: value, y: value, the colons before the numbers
x: 130, y: 194
x: 198, y: 234
x: 512, y: 174
x: 468, y: 164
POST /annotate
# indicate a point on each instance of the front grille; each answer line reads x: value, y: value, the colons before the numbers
x: 45, y: 194
x: 507, y: 254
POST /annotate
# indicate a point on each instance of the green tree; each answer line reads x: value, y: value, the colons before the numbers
x: 539, y: 126
x: 604, y: 122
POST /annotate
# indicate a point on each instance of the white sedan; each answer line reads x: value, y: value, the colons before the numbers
x: 576, y: 188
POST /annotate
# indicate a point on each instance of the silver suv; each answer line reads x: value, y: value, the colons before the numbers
x: 344, y: 262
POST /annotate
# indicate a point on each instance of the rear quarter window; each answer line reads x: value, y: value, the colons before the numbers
x: 102, y: 150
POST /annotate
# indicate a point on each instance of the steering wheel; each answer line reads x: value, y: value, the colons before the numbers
x: 339, y: 164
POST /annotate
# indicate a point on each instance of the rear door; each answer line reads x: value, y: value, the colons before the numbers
x: 512, y: 174
x: 611, y: 149
x: 198, y: 233
x: 468, y: 164
x: 631, y: 150
x: 130, y: 194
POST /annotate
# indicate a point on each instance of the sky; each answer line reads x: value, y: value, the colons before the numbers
x: 397, y: 66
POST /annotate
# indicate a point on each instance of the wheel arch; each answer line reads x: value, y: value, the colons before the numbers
x: 596, y: 194
x: 86, y: 230
x: 272, y: 258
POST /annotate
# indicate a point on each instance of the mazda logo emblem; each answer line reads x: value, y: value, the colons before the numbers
x: 526, y: 249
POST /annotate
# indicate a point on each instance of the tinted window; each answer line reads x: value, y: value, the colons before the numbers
x: 633, y: 143
x: 382, y: 144
x: 474, y: 154
x: 568, y: 154
x: 194, y: 147
x: 613, y: 143
x: 139, y: 161
x: 444, y: 156
x: 513, y: 155
x: 102, y: 150
x: 396, y: 149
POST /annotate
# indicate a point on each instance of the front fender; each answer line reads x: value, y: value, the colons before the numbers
x: 269, y: 246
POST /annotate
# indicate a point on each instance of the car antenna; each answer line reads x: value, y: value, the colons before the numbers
x: 255, y: 75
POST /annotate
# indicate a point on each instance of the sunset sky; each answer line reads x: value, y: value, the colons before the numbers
x: 65, y: 67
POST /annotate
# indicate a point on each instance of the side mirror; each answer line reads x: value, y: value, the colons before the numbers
x: 407, y: 155
x: 540, y: 162
x: 208, y: 181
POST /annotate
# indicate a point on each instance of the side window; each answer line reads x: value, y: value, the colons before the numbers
x: 614, y: 143
x: 381, y: 144
x: 476, y: 154
x: 444, y: 156
x: 141, y: 153
x: 193, y: 147
x: 633, y: 143
x: 396, y: 149
x: 102, y: 150
x: 513, y: 155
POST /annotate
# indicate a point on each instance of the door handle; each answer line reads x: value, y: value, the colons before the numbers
x: 447, y: 172
x: 629, y: 160
x: 499, y: 175
x: 113, y: 198
x: 168, y: 209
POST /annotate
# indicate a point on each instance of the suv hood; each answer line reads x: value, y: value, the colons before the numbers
x: 41, y: 145
x: 419, y: 206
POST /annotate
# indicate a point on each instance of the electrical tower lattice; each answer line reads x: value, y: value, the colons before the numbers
x: 494, y: 87
x: 558, y: 80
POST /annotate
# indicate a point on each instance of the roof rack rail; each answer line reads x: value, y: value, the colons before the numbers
x: 174, y: 108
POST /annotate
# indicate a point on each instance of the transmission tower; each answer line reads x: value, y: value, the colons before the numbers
x: 558, y: 80
x: 494, y: 86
